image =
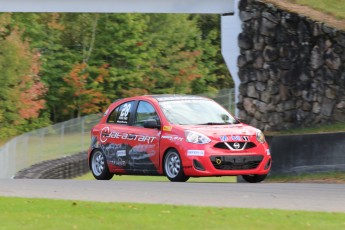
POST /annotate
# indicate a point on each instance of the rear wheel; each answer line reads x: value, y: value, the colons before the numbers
x: 254, y: 178
x: 99, y: 166
x: 173, y: 167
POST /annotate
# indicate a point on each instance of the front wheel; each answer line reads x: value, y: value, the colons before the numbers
x: 254, y: 178
x: 99, y: 166
x: 173, y: 167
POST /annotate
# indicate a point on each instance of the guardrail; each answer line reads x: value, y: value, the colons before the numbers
x: 308, y: 153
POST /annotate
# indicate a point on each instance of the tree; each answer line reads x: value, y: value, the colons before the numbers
x: 21, y: 91
x: 218, y: 75
x: 83, y: 97
x: 144, y: 53
x: 31, y: 92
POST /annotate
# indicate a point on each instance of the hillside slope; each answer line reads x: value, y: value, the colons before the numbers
x: 310, y: 12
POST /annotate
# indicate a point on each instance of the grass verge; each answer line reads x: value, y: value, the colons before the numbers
x: 331, y: 12
x: 225, y: 179
x: 328, y: 177
x: 330, y: 128
x: 335, y: 8
x: 25, y: 213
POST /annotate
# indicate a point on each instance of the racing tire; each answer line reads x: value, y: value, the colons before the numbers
x: 254, y: 178
x: 173, y: 167
x: 99, y: 166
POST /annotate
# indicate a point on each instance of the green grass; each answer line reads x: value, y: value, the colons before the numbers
x: 36, y: 149
x: 56, y: 145
x: 327, y: 177
x: 331, y: 128
x: 335, y: 8
x: 25, y: 213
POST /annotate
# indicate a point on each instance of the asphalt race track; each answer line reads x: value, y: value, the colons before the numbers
x: 288, y: 196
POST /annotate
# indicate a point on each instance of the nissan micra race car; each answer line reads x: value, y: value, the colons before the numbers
x: 178, y: 136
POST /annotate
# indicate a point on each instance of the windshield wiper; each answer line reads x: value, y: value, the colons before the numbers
x: 214, y: 123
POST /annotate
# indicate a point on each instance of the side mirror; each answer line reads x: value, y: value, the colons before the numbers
x: 151, y: 124
x: 239, y: 119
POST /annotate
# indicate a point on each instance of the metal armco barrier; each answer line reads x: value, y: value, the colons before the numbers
x: 297, y: 154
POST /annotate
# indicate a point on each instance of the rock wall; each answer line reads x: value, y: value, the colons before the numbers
x: 292, y: 69
x: 61, y: 168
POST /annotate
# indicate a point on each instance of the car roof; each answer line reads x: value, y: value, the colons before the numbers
x: 176, y: 97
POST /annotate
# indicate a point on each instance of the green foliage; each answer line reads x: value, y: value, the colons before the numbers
x: 217, y: 76
x: 122, y: 54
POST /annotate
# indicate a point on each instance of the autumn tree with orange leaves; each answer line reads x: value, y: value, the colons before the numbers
x: 32, y: 91
x: 83, y: 94
x: 21, y: 90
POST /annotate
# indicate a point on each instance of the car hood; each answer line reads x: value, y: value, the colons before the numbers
x: 219, y: 130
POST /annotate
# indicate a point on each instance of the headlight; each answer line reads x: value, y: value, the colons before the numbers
x: 196, y: 138
x: 260, y: 137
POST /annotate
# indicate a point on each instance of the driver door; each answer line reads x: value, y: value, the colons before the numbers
x: 145, y: 154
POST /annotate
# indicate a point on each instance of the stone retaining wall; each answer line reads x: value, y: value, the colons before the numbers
x: 292, y: 69
x: 62, y: 168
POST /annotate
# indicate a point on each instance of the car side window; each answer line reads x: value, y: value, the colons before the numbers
x: 122, y: 113
x: 145, y: 111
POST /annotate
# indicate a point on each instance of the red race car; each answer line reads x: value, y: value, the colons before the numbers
x: 179, y: 136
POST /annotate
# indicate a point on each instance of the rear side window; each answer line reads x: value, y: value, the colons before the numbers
x: 122, y: 113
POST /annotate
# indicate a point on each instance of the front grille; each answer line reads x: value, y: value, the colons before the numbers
x: 236, y: 162
x: 235, y: 145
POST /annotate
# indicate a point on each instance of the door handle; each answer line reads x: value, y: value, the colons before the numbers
x: 131, y: 135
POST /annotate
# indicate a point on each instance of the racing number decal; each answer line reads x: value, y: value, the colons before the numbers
x: 125, y: 111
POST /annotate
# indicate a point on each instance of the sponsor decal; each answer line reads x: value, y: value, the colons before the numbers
x: 268, y: 152
x: 121, y: 153
x: 119, y: 163
x: 167, y: 128
x: 105, y: 134
x: 245, y: 138
x: 195, y: 153
x: 234, y: 138
x: 224, y: 138
x: 172, y: 137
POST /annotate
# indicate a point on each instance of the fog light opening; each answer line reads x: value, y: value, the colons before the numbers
x: 197, y: 165
x: 268, y: 164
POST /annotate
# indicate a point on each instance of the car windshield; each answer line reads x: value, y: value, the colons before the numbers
x: 196, y: 112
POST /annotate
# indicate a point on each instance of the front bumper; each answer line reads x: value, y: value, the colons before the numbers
x: 228, y: 163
